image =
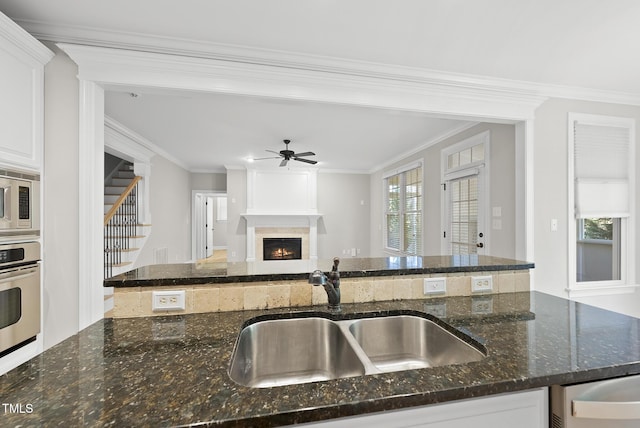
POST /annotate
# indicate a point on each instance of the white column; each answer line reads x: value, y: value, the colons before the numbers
x: 251, y: 239
x: 313, y: 237
x: 91, y: 201
x: 143, y: 170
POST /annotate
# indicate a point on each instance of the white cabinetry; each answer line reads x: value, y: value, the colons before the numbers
x: 22, y: 60
x: 527, y: 409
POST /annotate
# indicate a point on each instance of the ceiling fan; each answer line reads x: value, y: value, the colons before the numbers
x: 287, y: 155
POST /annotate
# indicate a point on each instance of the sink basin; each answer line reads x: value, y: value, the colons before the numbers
x: 308, y: 349
x: 289, y: 351
x: 407, y: 342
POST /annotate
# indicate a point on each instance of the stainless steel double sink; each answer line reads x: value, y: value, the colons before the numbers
x: 288, y: 351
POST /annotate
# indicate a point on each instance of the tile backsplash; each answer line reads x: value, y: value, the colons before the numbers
x: 136, y: 301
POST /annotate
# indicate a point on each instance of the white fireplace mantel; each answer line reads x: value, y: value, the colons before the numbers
x: 278, y: 198
x: 291, y: 220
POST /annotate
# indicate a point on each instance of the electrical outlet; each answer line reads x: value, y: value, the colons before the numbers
x: 481, y: 284
x: 168, y: 300
x: 435, y: 285
x: 169, y: 328
x: 482, y: 305
x: 436, y: 309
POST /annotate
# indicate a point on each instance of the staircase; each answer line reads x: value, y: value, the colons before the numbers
x: 128, y: 236
x: 124, y: 236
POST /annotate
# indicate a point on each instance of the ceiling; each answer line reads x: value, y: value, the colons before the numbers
x: 205, y: 132
x: 571, y: 43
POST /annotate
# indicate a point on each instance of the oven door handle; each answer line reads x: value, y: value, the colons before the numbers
x: 17, y: 274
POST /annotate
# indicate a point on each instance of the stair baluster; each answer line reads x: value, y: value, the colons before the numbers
x: 120, y: 225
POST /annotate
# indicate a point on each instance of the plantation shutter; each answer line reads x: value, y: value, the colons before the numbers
x: 394, y: 233
x: 404, y: 210
x: 601, y: 161
x: 413, y: 211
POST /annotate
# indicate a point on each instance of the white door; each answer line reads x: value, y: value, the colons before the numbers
x: 465, y: 168
x: 209, y: 223
x: 466, y: 232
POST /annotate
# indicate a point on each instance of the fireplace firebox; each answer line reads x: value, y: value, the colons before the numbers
x: 282, y: 248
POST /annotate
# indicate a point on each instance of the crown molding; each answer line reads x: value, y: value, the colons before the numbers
x: 588, y: 94
x: 343, y: 171
x: 222, y: 170
x: 431, y: 142
x: 123, y: 139
x: 88, y: 36
x: 23, y: 42
x: 302, y: 61
x: 443, y: 97
x: 235, y: 167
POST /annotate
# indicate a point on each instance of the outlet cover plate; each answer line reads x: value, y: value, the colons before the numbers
x: 481, y: 284
x: 171, y: 300
x: 435, y: 285
x: 482, y: 305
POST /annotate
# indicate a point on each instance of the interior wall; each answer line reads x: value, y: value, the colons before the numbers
x: 236, y: 205
x: 209, y: 181
x: 111, y: 162
x: 170, y: 200
x: 60, y: 188
x: 551, y: 186
x: 343, y: 201
x: 502, y: 182
x: 219, y: 226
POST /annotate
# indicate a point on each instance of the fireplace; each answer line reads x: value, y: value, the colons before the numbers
x: 282, y: 248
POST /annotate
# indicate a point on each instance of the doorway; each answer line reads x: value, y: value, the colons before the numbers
x: 209, y: 233
x: 437, y: 95
x: 465, y: 168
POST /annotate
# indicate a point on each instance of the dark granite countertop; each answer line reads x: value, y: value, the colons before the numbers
x: 286, y: 270
x: 172, y: 371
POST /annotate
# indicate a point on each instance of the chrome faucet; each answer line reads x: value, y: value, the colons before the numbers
x: 331, y: 284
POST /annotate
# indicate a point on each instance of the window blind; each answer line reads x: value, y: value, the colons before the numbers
x: 601, y: 170
x: 403, y: 214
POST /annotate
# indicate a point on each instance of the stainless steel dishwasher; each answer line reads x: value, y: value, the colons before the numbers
x: 613, y: 403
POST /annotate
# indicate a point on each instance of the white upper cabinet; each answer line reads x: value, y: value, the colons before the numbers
x: 22, y: 60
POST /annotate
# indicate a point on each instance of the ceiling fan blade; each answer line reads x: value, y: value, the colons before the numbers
x: 284, y: 162
x: 312, y: 162
x: 271, y: 157
x: 271, y: 151
x: 305, y: 154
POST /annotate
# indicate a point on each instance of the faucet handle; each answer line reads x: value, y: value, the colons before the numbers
x: 336, y: 262
x: 317, y: 277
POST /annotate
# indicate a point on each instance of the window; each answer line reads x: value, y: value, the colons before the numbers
x: 601, y: 175
x: 465, y: 157
x: 598, y: 249
x: 464, y: 215
x: 403, y: 214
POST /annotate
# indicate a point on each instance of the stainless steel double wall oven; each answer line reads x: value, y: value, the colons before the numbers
x: 19, y: 295
x: 19, y: 259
